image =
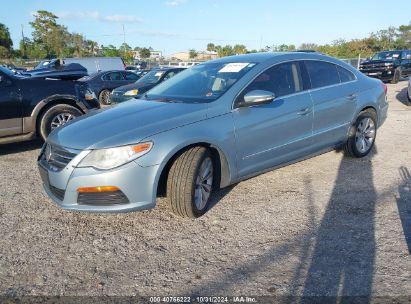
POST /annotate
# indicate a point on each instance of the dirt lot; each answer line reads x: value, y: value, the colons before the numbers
x: 326, y: 226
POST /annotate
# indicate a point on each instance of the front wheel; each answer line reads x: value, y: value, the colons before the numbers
x: 56, y: 117
x: 190, y: 182
x: 362, y: 134
x: 396, y: 77
x: 409, y: 98
x: 104, y: 97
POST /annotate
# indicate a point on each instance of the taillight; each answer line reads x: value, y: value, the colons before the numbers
x: 385, y: 87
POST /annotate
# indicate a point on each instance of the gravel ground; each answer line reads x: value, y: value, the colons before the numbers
x: 325, y: 226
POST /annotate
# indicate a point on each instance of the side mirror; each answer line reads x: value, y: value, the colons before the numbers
x: 257, y: 97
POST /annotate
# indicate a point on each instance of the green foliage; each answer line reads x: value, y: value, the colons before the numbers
x: 192, y: 53
x: 145, y: 53
x: 5, y: 40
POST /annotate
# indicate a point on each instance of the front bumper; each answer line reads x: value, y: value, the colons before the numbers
x: 134, y: 181
x: 383, y: 74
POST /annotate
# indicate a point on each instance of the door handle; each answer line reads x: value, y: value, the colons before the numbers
x: 304, y: 111
x: 352, y: 97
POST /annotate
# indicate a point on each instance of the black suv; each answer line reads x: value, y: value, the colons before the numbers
x: 31, y: 106
x: 388, y: 65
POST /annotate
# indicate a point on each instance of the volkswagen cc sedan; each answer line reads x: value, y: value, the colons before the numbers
x: 208, y: 127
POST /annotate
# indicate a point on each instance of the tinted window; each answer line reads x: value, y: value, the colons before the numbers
x: 131, y: 76
x: 282, y: 79
x: 113, y: 76
x: 322, y: 73
x: 345, y: 75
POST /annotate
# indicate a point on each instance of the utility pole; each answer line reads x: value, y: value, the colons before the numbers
x: 124, y: 35
x: 23, y: 41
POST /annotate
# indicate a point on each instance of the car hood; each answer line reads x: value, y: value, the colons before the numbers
x: 133, y: 86
x: 126, y: 123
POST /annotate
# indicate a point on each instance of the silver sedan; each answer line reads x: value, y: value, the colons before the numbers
x: 210, y: 126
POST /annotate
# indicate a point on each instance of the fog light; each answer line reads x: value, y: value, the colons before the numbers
x: 98, y: 189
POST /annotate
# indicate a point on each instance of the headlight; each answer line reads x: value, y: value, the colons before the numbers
x: 114, y: 157
x: 388, y: 64
x: 89, y: 95
x: 131, y: 93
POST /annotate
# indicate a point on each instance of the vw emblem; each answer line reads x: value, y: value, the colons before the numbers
x: 48, y: 153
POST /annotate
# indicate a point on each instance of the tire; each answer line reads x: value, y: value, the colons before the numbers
x: 362, y: 134
x: 55, y: 117
x: 104, y: 97
x: 409, y: 99
x: 396, y: 77
x: 186, y: 186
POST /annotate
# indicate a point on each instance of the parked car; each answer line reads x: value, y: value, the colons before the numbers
x: 57, y: 69
x: 102, y: 83
x: 388, y: 65
x: 145, y: 83
x: 132, y: 68
x: 34, y: 106
x: 91, y: 64
x: 211, y: 126
x: 14, y: 68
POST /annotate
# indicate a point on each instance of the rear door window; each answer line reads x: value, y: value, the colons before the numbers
x: 131, y: 76
x: 113, y: 76
x: 345, y: 75
x: 322, y: 74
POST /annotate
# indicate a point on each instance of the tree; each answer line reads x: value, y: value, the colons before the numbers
x: 53, y: 37
x: 211, y: 47
x: 192, y: 54
x: 145, y: 53
x: 5, y: 40
x: 239, y: 49
x: 308, y: 46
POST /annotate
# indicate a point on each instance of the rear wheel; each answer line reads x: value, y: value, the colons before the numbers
x: 190, y: 182
x: 56, y: 117
x: 362, y: 134
x: 104, y: 97
x: 396, y: 77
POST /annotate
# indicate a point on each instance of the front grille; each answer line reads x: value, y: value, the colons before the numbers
x: 59, y: 193
x: 57, y: 158
x: 102, y: 198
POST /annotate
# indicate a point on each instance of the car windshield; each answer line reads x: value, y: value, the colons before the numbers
x: 386, y: 56
x: 201, y: 83
x: 152, y: 76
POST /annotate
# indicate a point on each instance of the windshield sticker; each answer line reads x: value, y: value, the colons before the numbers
x: 233, y: 67
x: 396, y: 55
x: 158, y: 74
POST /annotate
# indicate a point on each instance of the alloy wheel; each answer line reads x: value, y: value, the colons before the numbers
x: 61, y: 119
x: 365, y: 135
x: 203, y: 184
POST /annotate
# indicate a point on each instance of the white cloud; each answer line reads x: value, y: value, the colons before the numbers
x: 174, y: 3
x: 94, y: 15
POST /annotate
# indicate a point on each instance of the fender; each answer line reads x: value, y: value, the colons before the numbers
x: 29, y: 123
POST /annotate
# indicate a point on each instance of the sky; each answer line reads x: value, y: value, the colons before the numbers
x: 172, y: 26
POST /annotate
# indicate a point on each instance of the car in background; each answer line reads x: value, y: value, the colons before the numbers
x: 132, y: 68
x: 102, y: 83
x: 91, y: 64
x: 145, y: 83
x: 409, y: 92
x: 57, y: 69
x: 209, y: 127
x: 35, y: 106
x: 14, y: 68
x: 388, y: 65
